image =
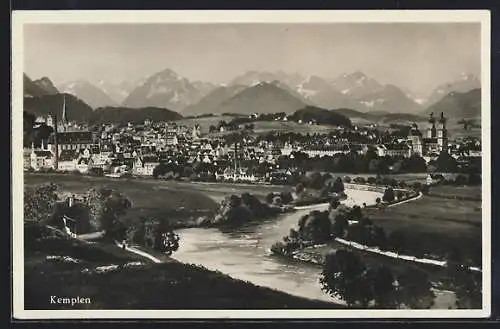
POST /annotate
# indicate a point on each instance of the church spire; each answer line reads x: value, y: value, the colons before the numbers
x: 64, y: 109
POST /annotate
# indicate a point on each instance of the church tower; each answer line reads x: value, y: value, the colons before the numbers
x: 63, y: 123
x: 415, y: 138
x: 431, y: 130
x: 442, y: 134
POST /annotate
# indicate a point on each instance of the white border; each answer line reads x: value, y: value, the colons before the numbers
x: 19, y: 18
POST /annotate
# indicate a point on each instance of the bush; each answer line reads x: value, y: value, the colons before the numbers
x: 316, y: 181
x: 315, y: 227
x: 286, y: 197
x: 346, y: 276
x: 338, y: 186
x: 425, y: 189
x: 299, y: 188
x: 474, y: 179
x: 40, y: 202
x: 270, y: 197
x: 388, y: 195
x: 359, y: 180
x: 460, y: 180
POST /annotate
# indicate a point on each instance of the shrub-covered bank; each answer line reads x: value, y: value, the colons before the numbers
x: 57, y: 265
x: 316, y: 237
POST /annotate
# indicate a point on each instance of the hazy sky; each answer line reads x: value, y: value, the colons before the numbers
x: 415, y: 56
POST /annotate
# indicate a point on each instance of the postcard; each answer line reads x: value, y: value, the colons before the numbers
x: 251, y: 164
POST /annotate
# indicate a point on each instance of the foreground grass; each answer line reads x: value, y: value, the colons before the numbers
x: 170, y: 285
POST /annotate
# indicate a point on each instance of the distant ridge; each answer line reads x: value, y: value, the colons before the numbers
x: 89, y: 93
x: 76, y: 109
x: 459, y: 105
x: 320, y: 116
x: 38, y: 87
x: 261, y: 98
x: 123, y: 115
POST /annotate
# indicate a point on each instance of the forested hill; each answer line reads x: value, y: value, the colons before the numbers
x: 123, y: 115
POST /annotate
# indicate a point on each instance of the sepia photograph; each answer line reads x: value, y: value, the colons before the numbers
x: 258, y: 164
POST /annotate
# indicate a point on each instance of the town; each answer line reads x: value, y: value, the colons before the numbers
x: 167, y: 149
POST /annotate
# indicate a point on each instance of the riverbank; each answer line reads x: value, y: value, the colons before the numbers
x: 113, y: 278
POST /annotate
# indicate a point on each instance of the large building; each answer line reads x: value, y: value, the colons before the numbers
x: 65, y: 138
x: 435, y: 141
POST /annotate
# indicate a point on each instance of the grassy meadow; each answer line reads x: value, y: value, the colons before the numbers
x: 437, y: 225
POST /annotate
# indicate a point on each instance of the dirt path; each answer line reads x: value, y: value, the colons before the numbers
x: 139, y: 252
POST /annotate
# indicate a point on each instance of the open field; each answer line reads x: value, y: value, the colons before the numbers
x: 169, y: 285
x: 261, y: 127
x: 179, y: 193
x: 204, y: 123
x: 473, y: 193
x: 181, y: 203
x: 142, y: 193
x: 148, y: 197
x: 435, y: 226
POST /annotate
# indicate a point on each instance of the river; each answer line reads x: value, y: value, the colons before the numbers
x: 244, y: 253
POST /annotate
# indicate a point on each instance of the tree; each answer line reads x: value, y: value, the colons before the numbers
x: 334, y: 203
x: 39, y: 202
x: 414, y: 289
x: 105, y: 208
x: 340, y: 225
x: 338, y: 185
x: 316, y: 181
x: 460, y: 180
x: 415, y: 163
x: 446, y: 163
x: 466, y: 283
x: 165, y: 239
x: 382, y: 283
x: 270, y: 197
x: 286, y: 197
x: 356, y: 213
x: 359, y: 180
x: 397, y: 241
x: 388, y: 195
x: 299, y: 188
x: 343, y: 276
x: 315, y: 227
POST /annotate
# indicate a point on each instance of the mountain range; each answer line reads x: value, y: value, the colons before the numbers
x: 90, y: 94
x: 167, y: 89
x: 261, y: 92
x: 464, y: 105
x: 34, y: 88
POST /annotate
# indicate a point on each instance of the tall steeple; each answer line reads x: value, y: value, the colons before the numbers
x: 431, y: 130
x: 64, y: 110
